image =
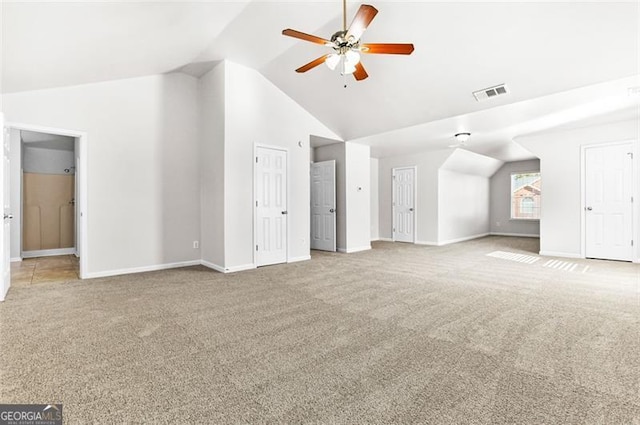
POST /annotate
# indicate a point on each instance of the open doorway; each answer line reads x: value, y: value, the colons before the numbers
x: 48, y: 201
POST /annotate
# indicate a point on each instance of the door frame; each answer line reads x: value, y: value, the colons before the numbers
x: 635, y: 189
x: 256, y: 146
x: 335, y: 207
x: 415, y: 201
x: 82, y: 243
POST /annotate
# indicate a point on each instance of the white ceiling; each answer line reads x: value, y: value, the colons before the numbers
x: 555, y: 57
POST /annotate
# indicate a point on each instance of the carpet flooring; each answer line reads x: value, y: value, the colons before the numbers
x: 400, y: 334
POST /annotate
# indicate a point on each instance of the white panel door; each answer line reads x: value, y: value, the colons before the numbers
x: 271, y: 206
x: 5, y: 190
x: 608, y: 202
x: 323, y: 205
x: 404, y: 198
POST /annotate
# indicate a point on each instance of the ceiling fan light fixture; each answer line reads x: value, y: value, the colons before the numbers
x: 352, y: 57
x: 347, y: 67
x: 332, y: 61
x: 462, y: 137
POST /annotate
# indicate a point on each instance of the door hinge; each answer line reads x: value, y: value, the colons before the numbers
x: 256, y: 159
x: 630, y: 154
x: 632, y: 199
x: 256, y: 203
x: 394, y: 230
x: 256, y: 247
x: 631, y: 242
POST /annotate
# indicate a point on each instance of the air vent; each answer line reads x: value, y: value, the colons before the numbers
x: 490, y: 92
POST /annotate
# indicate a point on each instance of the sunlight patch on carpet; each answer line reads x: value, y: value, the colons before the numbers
x: 564, y: 265
x: 513, y: 256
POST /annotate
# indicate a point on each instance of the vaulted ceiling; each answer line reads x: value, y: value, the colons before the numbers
x: 563, y: 62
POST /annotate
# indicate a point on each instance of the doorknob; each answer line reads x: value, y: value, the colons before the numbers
x: 332, y: 210
x: 589, y: 208
x: 8, y: 216
x: 284, y: 213
x: 410, y: 209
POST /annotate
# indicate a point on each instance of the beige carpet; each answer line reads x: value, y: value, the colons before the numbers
x: 400, y: 334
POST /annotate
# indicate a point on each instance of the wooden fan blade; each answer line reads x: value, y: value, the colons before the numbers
x: 363, y: 18
x: 387, y: 48
x: 312, y: 64
x: 360, y: 73
x: 305, y: 37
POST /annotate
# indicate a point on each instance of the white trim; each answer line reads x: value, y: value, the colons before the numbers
x: 427, y: 243
x: 343, y: 250
x: 357, y: 249
x: 48, y: 252
x: 297, y: 259
x: 81, y: 179
x: 212, y: 266
x: 635, y: 190
x: 143, y: 269
x: 450, y: 241
x: 227, y: 269
x: 463, y: 239
x: 240, y: 268
x: 523, y: 235
x: 385, y: 239
x: 560, y: 254
x: 16, y: 259
x: 415, y: 201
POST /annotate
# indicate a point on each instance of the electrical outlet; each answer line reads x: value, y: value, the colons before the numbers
x: 196, y: 244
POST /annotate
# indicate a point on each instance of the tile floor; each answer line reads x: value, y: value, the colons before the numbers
x: 31, y: 271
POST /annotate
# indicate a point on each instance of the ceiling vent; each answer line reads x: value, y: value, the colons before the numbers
x: 490, y: 92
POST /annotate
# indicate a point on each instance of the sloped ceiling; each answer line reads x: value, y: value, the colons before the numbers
x: 548, y: 53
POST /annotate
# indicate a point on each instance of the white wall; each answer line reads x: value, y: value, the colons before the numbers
x: 375, y: 205
x: 500, y: 203
x: 427, y: 165
x: 143, y: 173
x: 258, y: 112
x: 463, y: 206
x: 47, y: 161
x: 560, y: 167
x: 358, y: 192
x: 337, y: 152
x: 212, y: 121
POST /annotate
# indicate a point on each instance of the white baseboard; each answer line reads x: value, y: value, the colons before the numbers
x: 48, y: 252
x: 16, y: 259
x: 212, y: 266
x: 358, y: 249
x: 560, y: 254
x: 296, y: 259
x: 240, y: 268
x: 385, y: 239
x: 522, y: 235
x: 427, y: 243
x: 227, y: 269
x: 463, y: 239
x: 450, y: 241
x: 132, y: 270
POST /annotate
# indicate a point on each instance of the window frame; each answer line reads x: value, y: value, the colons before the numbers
x: 511, y: 204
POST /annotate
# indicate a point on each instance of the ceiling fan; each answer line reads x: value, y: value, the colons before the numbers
x: 346, y: 44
